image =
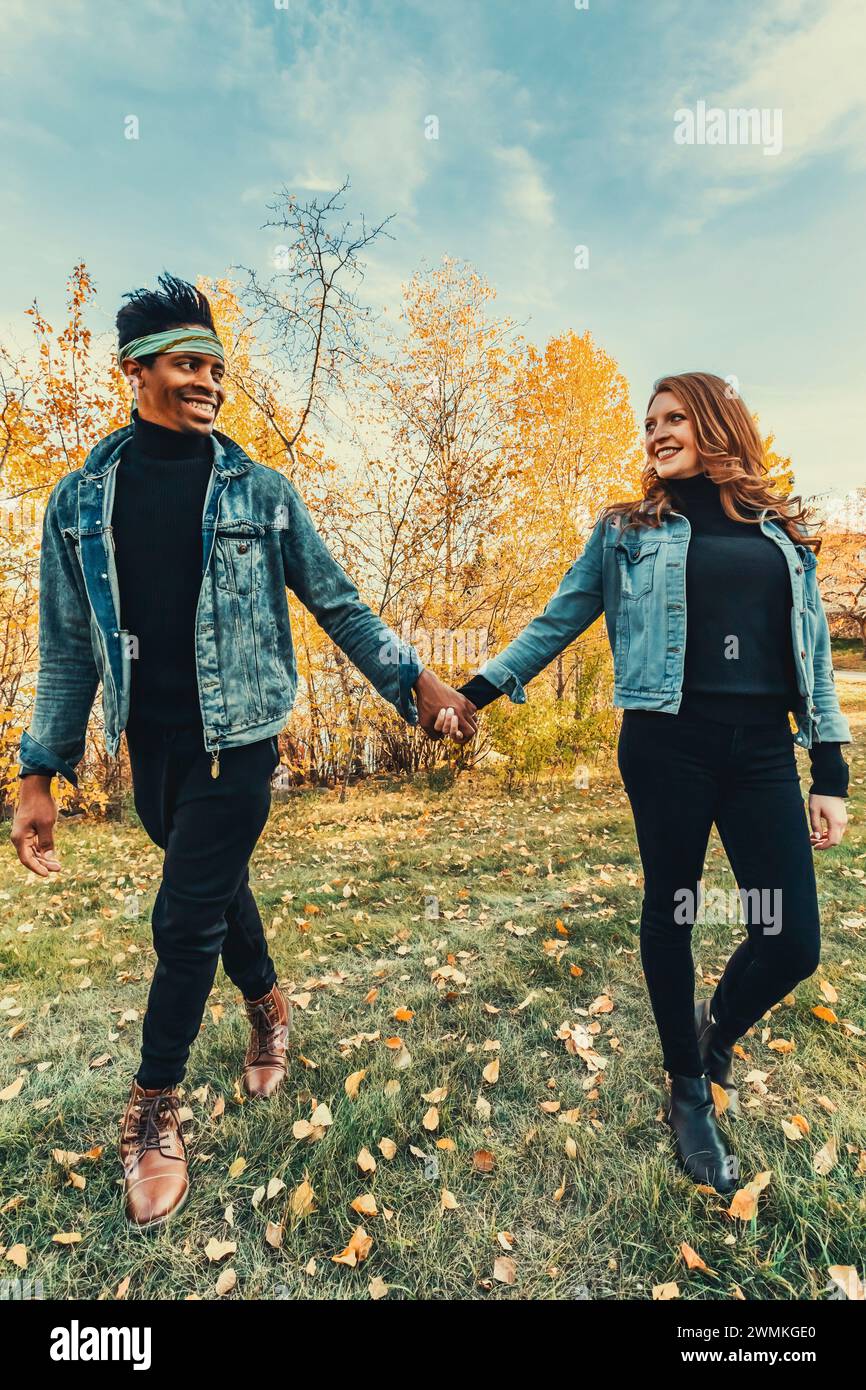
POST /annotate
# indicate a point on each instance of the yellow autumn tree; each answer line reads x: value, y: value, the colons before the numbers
x: 575, y: 446
x: 431, y: 498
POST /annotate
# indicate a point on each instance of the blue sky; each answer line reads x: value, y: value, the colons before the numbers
x: 556, y: 129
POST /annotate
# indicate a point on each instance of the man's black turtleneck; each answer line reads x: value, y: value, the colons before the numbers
x: 737, y: 587
x: 161, y: 482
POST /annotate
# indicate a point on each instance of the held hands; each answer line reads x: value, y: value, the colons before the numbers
x: 831, y: 811
x: 443, y: 712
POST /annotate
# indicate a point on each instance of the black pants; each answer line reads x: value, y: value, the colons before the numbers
x: 204, y: 908
x: 682, y: 773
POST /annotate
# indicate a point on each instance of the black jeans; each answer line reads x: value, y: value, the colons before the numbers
x: 682, y: 773
x: 204, y: 908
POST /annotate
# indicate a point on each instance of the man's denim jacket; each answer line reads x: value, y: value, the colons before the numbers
x: 637, y: 578
x: 257, y: 538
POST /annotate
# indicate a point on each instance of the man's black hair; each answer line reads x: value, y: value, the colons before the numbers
x: 151, y: 311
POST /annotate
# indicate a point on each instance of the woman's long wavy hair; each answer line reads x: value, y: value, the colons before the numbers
x: 730, y: 453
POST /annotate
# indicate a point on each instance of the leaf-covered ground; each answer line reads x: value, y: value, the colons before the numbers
x: 495, y: 1068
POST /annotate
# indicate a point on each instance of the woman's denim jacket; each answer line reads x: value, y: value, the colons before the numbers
x: 257, y: 538
x: 637, y: 579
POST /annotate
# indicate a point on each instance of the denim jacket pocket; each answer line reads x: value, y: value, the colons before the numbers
x: 636, y: 567
x: 237, y: 555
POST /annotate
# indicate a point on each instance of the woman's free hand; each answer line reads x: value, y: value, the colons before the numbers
x: 448, y: 724
x: 828, y: 819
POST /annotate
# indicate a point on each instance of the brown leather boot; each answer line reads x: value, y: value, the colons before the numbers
x: 153, y: 1154
x: 265, y: 1060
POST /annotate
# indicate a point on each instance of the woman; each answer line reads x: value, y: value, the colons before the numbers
x: 696, y: 580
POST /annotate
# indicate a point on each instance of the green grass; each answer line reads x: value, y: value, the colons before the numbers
x: 528, y: 859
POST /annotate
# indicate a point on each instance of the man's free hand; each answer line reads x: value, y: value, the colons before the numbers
x: 33, y: 827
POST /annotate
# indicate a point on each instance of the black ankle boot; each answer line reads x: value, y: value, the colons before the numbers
x: 701, y: 1149
x: 717, y: 1057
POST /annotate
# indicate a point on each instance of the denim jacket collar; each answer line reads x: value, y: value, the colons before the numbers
x: 637, y: 542
x: 229, y: 459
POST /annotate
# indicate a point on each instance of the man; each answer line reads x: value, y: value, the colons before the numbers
x: 163, y: 572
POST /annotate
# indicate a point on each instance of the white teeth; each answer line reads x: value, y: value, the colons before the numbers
x: 667, y: 453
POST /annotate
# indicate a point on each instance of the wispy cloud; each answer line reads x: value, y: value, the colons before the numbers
x: 805, y: 61
x: 524, y: 190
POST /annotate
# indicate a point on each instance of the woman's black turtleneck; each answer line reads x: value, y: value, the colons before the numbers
x: 161, y: 482
x: 739, y: 664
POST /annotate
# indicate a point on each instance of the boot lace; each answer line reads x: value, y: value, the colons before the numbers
x: 151, y: 1121
x: 266, y: 1044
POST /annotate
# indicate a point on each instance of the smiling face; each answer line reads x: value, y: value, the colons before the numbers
x: 180, y: 390
x: 670, y: 438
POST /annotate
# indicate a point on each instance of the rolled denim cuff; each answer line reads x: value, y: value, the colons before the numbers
x: 831, y: 727
x: 500, y: 676
x: 35, y: 757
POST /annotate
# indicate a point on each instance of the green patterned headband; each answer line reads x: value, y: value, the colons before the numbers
x: 173, y: 340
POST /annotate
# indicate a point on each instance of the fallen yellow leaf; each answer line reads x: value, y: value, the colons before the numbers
x: 357, y: 1250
